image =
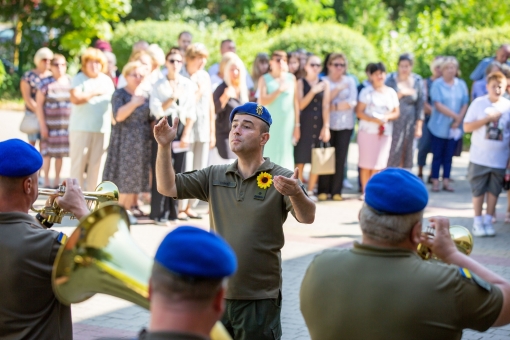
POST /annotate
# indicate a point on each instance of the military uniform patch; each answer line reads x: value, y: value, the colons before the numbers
x: 62, y: 238
x: 475, y: 278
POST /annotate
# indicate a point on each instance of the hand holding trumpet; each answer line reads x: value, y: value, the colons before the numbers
x: 441, y: 243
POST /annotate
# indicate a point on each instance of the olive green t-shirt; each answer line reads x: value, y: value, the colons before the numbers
x: 388, y: 293
x: 249, y: 218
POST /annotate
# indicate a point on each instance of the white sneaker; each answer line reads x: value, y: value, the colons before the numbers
x: 489, y: 229
x: 479, y: 230
x: 346, y: 184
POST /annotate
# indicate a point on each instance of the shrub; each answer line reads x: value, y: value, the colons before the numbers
x: 323, y: 38
x: 2, y: 73
x: 472, y: 46
x: 9, y: 88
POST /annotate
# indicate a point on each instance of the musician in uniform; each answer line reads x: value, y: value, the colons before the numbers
x: 188, y: 284
x: 249, y: 201
x: 381, y: 288
x: 28, y: 307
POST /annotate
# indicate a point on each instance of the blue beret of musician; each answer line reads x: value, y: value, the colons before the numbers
x: 253, y: 109
x: 396, y: 191
x: 194, y: 252
x: 18, y: 158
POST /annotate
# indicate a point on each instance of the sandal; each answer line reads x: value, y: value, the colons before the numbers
x: 137, y: 212
x: 435, y: 188
x: 448, y: 188
x: 507, y: 217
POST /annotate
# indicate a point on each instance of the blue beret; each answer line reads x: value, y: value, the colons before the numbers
x: 396, y: 191
x: 18, y: 158
x: 194, y: 252
x: 253, y: 109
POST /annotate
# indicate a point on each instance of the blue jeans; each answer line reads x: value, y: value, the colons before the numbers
x: 424, y: 143
x: 443, y: 150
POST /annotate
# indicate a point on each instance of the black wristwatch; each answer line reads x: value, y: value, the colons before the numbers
x: 43, y: 221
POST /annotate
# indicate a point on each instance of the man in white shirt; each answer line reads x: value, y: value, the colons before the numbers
x: 228, y: 45
x: 488, y: 117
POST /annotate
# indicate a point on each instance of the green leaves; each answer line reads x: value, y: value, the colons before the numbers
x: 89, y: 18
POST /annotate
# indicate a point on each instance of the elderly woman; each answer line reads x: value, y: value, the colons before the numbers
x: 450, y: 101
x: 343, y: 99
x: 204, y: 134
x: 409, y: 87
x: 278, y: 93
x: 128, y: 160
x: 31, y: 81
x: 228, y: 95
x: 172, y: 96
x: 377, y: 108
x: 424, y: 141
x: 53, y: 110
x: 90, y: 121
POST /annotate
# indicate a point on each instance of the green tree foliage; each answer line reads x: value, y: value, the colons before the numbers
x: 89, y: 18
x: 322, y: 39
x: 471, y: 47
x: 150, y: 9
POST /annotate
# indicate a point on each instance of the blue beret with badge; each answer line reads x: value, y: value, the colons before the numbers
x: 194, y: 252
x: 253, y: 109
x: 18, y: 158
x: 396, y: 191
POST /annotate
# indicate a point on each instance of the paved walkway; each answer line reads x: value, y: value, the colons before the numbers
x: 336, y: 225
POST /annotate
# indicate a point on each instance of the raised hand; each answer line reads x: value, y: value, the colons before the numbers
x: 441, y: 244
x: 319, y: 87
x: 73, y: 199
x: 137, y: 100
x: 165, y: 133
x: 288, y: 186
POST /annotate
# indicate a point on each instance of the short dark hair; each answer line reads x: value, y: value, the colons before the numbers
x: 173, y: 50
x: 184, y: 32
x: 406, y: 57
x: 175, y: 287
x: 368, y: 67
x: 264, y: 128
x: 372, y: 68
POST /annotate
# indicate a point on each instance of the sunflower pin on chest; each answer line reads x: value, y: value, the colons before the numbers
x: 264, y: 181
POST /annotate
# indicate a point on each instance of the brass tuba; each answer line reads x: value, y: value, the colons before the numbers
x: 105, y: 192
x: 101, y: 257
x: 461, y: 236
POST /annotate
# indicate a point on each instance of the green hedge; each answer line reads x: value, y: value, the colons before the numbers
x: 2, y: 73
x: 471, y: 47
x: 319, y: 38
x: 323, y: 38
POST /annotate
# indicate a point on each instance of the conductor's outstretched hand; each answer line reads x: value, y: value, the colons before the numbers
x: 164, y: 133
x: 288, y: 186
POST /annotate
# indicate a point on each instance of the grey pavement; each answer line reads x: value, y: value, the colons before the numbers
x: 336, y: 225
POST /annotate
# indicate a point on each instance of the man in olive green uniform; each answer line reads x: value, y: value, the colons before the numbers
x: 28, y: 307
x: 248, y: 202
x: 381, y: 289
x: 188, y: 284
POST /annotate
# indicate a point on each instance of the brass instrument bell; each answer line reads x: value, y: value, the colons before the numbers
x: 101, y: 257
x: 105, y: 192
x: 461, y: 236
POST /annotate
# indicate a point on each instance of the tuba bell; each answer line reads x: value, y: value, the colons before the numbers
x: 101, y: 257
x: 105, y: 192
x: 461, y: 236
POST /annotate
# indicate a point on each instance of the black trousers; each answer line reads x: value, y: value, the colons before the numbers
x: 332, y: 184
x: 163, y: 207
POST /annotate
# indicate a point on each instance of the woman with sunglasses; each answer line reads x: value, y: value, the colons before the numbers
x: 278, y: 93
x: 31, y: 81
x: 172, y: 96
x: 313, y: 96
x: 53, y: 108
x: 127, y: 162
x: 343, y: 99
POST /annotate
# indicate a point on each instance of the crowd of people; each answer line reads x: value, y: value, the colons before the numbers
x: 312, y: 103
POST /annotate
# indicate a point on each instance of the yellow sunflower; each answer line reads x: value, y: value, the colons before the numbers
x: 264, y: 180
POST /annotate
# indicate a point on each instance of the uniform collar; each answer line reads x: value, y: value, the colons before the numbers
x: 266, y: 166
x: 17, y: 217
x: 365, y: 249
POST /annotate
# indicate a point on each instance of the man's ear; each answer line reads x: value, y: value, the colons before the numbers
x: 28, y: 185
x: 416, y: 232
x: 150, y: 290
x: 219, y: 301
x: 264, y: 138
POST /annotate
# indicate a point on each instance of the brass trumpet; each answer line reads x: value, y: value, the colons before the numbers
x: 105, y: 192
x: 461, y: 236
